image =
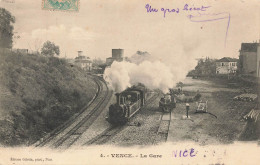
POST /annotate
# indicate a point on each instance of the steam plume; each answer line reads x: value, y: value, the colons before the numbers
x: 146, y: 69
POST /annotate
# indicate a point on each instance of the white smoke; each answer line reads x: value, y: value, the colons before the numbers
x: 140, y: 57
x: 144, y: 68
x: 152, y: 74
x: 118, y: 75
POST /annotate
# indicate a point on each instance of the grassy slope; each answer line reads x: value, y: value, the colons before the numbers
x: 37, y: 94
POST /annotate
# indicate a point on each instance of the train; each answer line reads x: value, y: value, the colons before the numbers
x: 167, y: 103
x: 127, y: 104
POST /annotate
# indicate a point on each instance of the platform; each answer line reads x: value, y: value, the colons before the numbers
x: 178, y: 128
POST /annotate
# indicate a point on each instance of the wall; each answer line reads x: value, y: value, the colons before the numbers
x: 249, y: 63
x: 109, y: 60
x: 118, y: 53
x: 227, y: 68
x: 258, y: 60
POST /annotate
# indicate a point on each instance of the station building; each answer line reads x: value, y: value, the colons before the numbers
x: 83, y: 61
x: 226, y: 65
x: 249, y: 58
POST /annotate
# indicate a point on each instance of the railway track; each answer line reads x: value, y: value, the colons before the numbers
x: 110, y: 132
x: 105, y: 135
x: 164, y: 126
x: 165, y: 122
x: 68, y: 133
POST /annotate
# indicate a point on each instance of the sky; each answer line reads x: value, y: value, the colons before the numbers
x: 102, y: 25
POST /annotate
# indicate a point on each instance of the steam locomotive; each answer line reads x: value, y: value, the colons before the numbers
x: 127, y: 104
x: 167, y: 103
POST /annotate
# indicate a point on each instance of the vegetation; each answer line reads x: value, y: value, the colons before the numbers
x: 142, y: 53
x: 38, y: 93
x: 186, y: 98
x: 97, y: 62
x: 50, y: 49
x: 204, y: 68
x: 6, y: 28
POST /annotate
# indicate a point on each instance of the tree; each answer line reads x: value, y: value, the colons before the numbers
x: 204, y: 68
x: 50, y: 49
x: 6, y: 28
x: 97, y: 62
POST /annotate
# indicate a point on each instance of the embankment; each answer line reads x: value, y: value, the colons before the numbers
x: 37, y: 94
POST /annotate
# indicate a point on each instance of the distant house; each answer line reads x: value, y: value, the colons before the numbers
x: 226, y: 65
x: 110, y: 60
x: 5, y: 50
x: 249, y: 53
x: 83, y: 62
x: 35, y: 52
x: 20, y: 51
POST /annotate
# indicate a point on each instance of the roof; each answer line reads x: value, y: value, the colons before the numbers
x: 129, y: 92
x: 83, y: 61
x: 249, y: 47
x: 81, y: 58
x: 227, y: 59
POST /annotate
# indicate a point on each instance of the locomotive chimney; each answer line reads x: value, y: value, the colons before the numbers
x: 117, y: 98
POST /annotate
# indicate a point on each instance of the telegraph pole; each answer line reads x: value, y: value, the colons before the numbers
x: 258, y: 75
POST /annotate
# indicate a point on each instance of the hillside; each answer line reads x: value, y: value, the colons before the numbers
x: 37, y: 94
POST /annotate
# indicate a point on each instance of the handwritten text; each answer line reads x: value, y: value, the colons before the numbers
x: 176, y: 10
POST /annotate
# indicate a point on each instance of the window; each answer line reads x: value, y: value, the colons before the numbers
x: 222, y: 64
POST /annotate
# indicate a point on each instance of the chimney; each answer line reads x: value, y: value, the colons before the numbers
x: 117, y: 98
x: 80, y: 53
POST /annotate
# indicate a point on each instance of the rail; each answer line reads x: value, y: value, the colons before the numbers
x: 49, y: 137
x: 110, y: 132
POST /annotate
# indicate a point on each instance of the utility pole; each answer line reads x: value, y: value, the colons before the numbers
x: 187, y: 110
x: 258, y: 75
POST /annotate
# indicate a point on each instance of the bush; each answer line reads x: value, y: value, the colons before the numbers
x: 197, y: 97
